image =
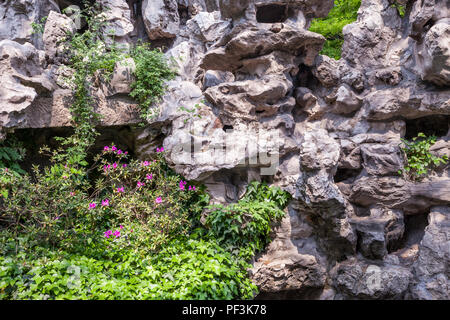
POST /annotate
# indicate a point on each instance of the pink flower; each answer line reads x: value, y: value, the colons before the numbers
x: 182, y: 184
x: 120, y: 227
x: 92, y: 205
x: 64, y: 177
x: 113, y: 148
x: 149, y: 177
x: 140, y: 184
x: 158, y: 200
x: 145, y: 163
x: 106, y: 148
x: 119, y: 151
x: 105, y: 203
x: 72, y: 193
x: 126, y: 152
x: 160, y: 149
x: 192, y: 188
x: 121, y: 189
x: 124, y: 165
x: 114, y: 165
x: 107, y: 233
x: 116, y: 233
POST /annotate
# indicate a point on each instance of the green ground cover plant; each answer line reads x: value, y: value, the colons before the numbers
x: 344, y: 12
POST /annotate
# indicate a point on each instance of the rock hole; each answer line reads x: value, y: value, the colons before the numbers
x: 183, y: 12
x: 271, y: 13
x: 305, y: 77
x: 436, y: 125
x: 343, y: 174
x: 227, y: 127
x: 414, y: 231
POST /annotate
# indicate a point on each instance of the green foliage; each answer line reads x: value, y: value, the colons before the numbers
x: 11, y: 153
x: 89, y: 57
x: 38, y: 27
x: 244, y: 228
x: 344, y: 12
x: 152, y: 71
x: 188, y: 269
x: 401, y: 9
x: 192, y: 112
x: 135, y: 231
x: 55, y: 242
x: 418, y: 156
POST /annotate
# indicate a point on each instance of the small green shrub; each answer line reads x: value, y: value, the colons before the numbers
x: 244, y: 228
x: 401, y: 9
x: 344, y: 12
x: 419, y: 159
x: 11, y: 153
x: 38, y: 27
x: 152, y: 72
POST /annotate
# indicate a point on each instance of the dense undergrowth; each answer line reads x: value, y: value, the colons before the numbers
x: 120, y: 228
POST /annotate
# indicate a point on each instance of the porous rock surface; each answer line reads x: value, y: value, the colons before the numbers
x: 269, y: 107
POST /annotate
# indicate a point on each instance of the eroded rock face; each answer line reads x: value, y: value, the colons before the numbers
x: 254, y: 100
x: 17, y: 17
x: 161, y: 18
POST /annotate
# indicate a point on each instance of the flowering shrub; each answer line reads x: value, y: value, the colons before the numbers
x: 118, y: 240
x: 134, y: 232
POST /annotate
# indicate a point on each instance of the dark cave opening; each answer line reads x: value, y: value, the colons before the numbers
x: 414, y: 231
x: 436, y: 125
x: 271, y: 13
x: 227, y: 127
x: 305, y: 77
x: 183, y: 12
x: 34, y: 139
x: 343, y: 174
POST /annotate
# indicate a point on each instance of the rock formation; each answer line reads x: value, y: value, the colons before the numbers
x: 269, y: 107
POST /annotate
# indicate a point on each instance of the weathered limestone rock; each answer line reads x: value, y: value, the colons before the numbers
x: 431, y: 267
x: 57, y: 27
x: 378, y: 231
x: 161, y: 18
x: 434, y: 55
x: 17, y: 17
x: 381, y: 159
x: 118, y: 17
x: 320, y: 197
x: 121, y: 79
x: 22, y: 78
x: 357, y: 279
x: 254, y: 100
x: 291, y: 265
